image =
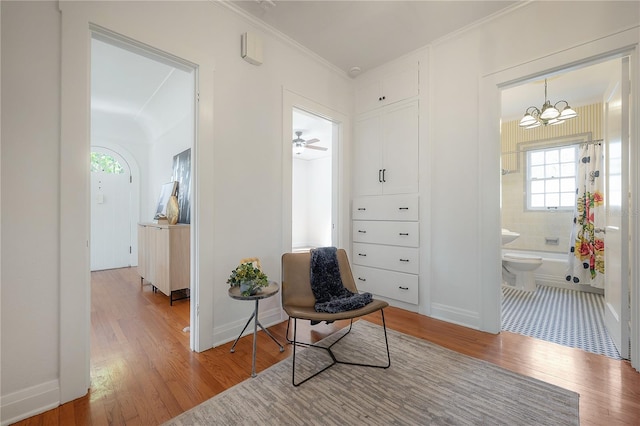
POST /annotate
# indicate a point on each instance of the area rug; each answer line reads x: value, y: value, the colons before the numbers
x: 425, y: 385
x: 566, y: 317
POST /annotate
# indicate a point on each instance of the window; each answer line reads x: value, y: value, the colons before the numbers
x: 551, y: 178
x: 105, y: 163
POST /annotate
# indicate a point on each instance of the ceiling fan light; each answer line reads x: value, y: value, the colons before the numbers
x: 527, y: 120
x: 568, y: 113
x: 298, y: 148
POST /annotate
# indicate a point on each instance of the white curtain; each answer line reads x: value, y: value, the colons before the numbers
x: 586, y: 255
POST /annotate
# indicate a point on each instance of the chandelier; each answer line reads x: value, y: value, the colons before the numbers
x: 548, y: 114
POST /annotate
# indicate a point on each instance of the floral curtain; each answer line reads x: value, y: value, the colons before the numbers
x: 586, y: 255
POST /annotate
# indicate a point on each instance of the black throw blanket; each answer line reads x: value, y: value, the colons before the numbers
x: 326, y: 284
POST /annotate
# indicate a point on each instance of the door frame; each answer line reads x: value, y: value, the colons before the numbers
x: 341, y: 175
x: 616, y: 318
x: 78, y: 23
x: 624, y: 43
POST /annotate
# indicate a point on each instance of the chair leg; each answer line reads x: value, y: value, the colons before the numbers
x: 295, y: 343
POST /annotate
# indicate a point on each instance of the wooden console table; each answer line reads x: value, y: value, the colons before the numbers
x: 164, y: 258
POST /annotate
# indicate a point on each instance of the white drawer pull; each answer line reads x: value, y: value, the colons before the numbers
x: 403, y: 288
x: 404, y: 233
x: 361, y: 231
x: 361, y: 208
x: 362, y: 254
x: 362, y: 279
x: 403, y: 208
x: 404, y: 260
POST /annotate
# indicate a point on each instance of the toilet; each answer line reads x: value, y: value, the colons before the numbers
x: 517, y: 270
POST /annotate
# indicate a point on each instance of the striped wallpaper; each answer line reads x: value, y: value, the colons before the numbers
x: 589, y: 120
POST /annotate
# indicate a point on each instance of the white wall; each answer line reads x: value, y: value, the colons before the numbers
x: 240, y: 173
x: 465, y: 192
x: 30, y: 202
x: 312, y: 203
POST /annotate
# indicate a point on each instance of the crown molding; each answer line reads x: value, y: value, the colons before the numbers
x: 479, y: 23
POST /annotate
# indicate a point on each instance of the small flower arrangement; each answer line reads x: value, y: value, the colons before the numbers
x: 248, y: 278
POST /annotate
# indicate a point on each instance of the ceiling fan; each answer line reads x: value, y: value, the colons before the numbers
x: 300, y: 144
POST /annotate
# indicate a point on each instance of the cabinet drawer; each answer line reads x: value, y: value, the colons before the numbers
x: 386, y: 207
x: 402, y: 259
x: 391, y: 233
x: 394, y: 285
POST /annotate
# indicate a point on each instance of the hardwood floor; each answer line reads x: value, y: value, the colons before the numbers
x: 143, y: 373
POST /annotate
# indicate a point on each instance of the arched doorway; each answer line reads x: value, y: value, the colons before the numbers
x: 111, y: 209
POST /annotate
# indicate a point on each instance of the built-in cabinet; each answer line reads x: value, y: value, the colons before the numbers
x: 386, y: 150
x: 385, y: 218
x: 392, y: 86
x: 164, y: 258
x: 385, y: 252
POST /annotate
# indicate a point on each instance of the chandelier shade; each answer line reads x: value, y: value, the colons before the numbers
x: 548, y: 114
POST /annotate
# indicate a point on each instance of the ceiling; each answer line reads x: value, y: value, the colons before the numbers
x: 134, y: 96
x: 127, y: 87
x: 344, y: 32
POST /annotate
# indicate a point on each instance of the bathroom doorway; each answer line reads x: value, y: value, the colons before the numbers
x: 537, y: 208
x: 313, y: 181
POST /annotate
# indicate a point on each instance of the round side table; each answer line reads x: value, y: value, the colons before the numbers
x: 264, y: 293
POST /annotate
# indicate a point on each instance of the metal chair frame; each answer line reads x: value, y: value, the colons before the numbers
x: 334, y: 360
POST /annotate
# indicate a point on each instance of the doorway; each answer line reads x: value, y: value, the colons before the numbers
x: 143, y: 106
x: 544, y: 225
x: 113, y: 211
x: 308, y: 111
x: 313, y: 203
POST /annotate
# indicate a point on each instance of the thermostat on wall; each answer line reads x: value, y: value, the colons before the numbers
x: 251, y: 48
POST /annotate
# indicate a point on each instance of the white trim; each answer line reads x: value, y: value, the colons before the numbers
x: 229, y: 331
x: 455, y: 315
x: 634, y: 221
x: 292, y: 100
x: 29, y: 402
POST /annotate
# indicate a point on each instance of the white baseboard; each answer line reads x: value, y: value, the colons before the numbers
x: 30, y: 401
x: 455, y: 315
x: 551, y: 281
x: 229, y: 332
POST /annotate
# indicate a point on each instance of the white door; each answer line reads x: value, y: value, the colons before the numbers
x: 616, y: 291
x: 110, y: 210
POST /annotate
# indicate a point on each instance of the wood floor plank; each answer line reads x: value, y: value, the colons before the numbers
x: 143, y: 373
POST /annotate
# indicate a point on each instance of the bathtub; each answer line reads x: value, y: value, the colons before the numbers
x: 553, y: 270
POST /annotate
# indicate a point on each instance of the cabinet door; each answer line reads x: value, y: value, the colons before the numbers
x: 400, y: 148
x: 369, y: 96
x: 180, y: 257
x: 393, y: 86
x: 162, y: 258
x: 367, y: 154
x: 402, y: 84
